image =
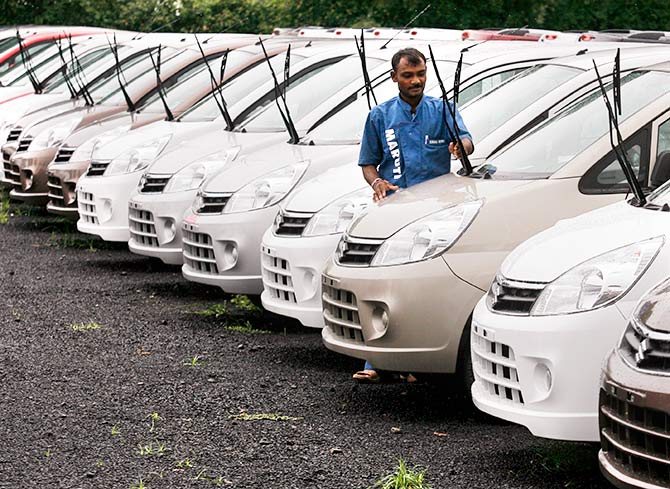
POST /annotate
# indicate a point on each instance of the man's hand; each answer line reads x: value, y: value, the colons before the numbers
x: 455, y: 150
x: 381, y: 187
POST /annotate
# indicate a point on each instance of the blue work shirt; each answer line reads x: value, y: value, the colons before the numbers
x: 409, y: 149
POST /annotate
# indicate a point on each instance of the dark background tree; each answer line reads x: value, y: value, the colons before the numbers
x: 262, y: 15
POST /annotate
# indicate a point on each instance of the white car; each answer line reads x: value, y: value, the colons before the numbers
x: 325, y: 207
x: 560, y: 303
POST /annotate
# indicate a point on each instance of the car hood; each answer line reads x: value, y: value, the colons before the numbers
x: 11, y: 92
x: 250, y: 166
x: 135, y: 138
x: 13, y: 110
x: 318, y: 192
x: 549, y: 254
x: 30, y: 120
x: 407, y: 205
x: 87, y: 115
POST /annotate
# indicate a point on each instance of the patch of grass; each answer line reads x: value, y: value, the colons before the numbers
x: 193, y: 361
x: 243, y: 303
x: 403, y: 477
x: 263, y: 417
x: 235, y: 314
x: 185, y: 463
x: 139, y: 485
x: 74, y: 241
x: 153, y: 419
x: 215, y: 481
x: 115, y: 431
x: 90, y: 326
x: 152, y: 448
x: 48, y: 453
x: 5, y: 208
x: 246, y: 328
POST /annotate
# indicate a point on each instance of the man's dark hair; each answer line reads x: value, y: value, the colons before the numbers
x: 412, y: 55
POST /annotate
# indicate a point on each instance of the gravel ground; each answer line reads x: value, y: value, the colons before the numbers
x: 109, y: 380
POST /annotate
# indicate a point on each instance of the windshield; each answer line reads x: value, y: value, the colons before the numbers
x: 307, y: 93
x: 7, y: 43
x: 31, y: 51
x: 17, y: 75
x: 346, y: 126
x: 551, y: 145
x: 192, y: 81
x: 512, y: 97
x: 140, y: 68
x: 236, y: 88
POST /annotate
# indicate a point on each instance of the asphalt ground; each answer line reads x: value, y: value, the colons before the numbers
x: 118, y: 373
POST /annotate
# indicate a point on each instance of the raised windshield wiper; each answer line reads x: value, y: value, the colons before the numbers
x: 27, y: 64
x: 79, y: 75
x: 364, y: 66
x: 406, y: 26
x: 64, y: 71
x: 159, y: 83
x: 286, y: 116
x: 618, y: 147
x: 455, y: 138
x: 216, y: 87
x: 119, y: 73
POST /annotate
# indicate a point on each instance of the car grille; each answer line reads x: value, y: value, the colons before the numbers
x: 340, y: 312
x: 153, y: 184
x: 212, y: 203
x: 291, y: 223
x: 23, y: 144
x: 64, y: 154
x: 277, y: 277
x: 356, y: 251
x: 97, y: 168
x: 56, y: 196
x: 495, y: 367
x: 14, y: 134
x: 635, y: 439
x: 142, y: 227
x: 15, y: 176
x: 646, y: 349
x: 513, y: 297
x: 86, y: 206
x: 198, y: 251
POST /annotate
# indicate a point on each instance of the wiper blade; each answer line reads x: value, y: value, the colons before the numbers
x: 159, y: 83
x: 79, y: 75
x: 119, y: 73
x: 63, y: 69
x: 216, y: 87
x: 454, y: 134
x: 25, y: 58
x: 618, y: 146
x: 406, y: 26
x: 364, y: 66
x: 285, y: 114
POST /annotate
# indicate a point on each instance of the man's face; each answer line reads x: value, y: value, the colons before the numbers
x: 411, y: 79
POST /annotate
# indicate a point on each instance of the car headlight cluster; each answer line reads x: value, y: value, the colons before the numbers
x: 137, y: 158
x: 193, y: 175
x: 266, y: 190
x: 598, y: 281
x: 427, y: 237
x: 85, y: 151
x: 335, y: 217
x: 54, y: 134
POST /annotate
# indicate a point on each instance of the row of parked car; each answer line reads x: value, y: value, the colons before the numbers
x: 235, y: 157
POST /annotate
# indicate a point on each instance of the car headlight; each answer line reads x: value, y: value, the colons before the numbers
x: 192, y: 176
x: 55, y: 134
x: 137, y: 158
x: 598, y: 281
x: 85, y: 151
x: 266, y: 190
x: 335, y: 217
x: 427, y: 237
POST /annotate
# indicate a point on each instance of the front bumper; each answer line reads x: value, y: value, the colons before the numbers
x: 103, y: 205
x: 426, y: 307
x: 224, y: 249
x: 29, y: 175
x: 543, y: 372
x: 62, y: 180
x: 291, y: 268
x: 634, y: 409
x: 8, y: 151
x: 155, y: 224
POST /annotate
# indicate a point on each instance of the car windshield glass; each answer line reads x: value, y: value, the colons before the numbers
x: 32, y: 51
x: 193, y: 81
x: 346, y: 126
x: 41, y: 63
x: 307, y: 93
x: 235, y: 89
x: 7, y: 43
x: 512, y: 97
x: 553, y: 144
x: 140, y: 74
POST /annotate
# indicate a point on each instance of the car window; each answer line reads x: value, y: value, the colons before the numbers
x: 551, y: 145
x: 32, y: 51
x: 486, y: 84
x: 663, y: 138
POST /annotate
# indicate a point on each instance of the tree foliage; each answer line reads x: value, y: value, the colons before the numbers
x: 263, y: 15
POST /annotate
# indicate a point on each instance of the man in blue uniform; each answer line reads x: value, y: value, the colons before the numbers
x: 406, y: 141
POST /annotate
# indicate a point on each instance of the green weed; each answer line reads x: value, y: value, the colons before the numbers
x: 246, y: 328
x: 140, y: 485
x: 115, y: 431
x: 151, y: 448
x: 90, y: 326
x: 263, y: 417
x: 194, y: 361
x: 403, y: 478
x: 184, y: 463
x: 215, y: 310
x: 153, y: 419
x: 215, y: 481
x: 243, y: 303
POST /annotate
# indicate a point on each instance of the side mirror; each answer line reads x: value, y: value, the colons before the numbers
x: 661, y: 173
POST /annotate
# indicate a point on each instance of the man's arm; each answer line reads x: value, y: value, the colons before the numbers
x: 378, y: 184
x: 468, y: 146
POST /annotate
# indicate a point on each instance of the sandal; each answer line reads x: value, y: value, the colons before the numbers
x: 367, y: 377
